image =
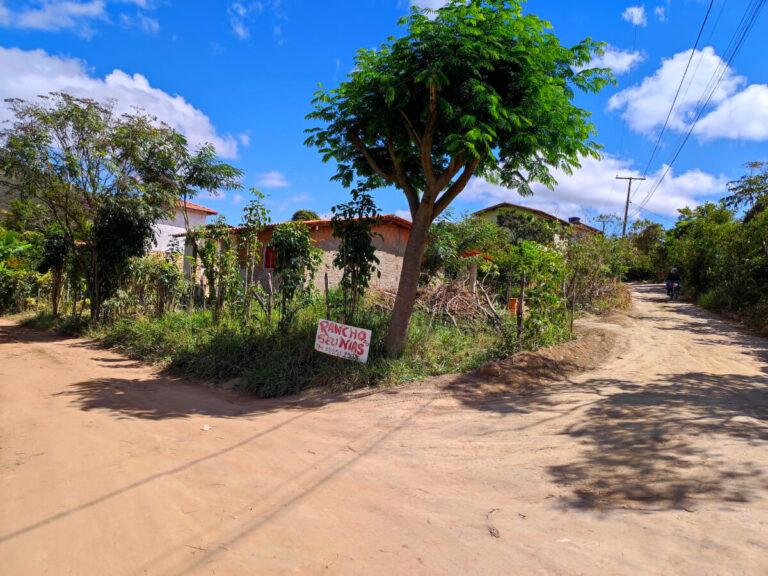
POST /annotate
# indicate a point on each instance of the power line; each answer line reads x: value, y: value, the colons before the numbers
x: 679, y: 88
x: 666, y: 218
x: 707, y: 43
x: 737, y: 41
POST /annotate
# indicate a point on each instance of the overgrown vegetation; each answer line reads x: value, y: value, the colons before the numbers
x: 93, y: 185
x: 457, y: 325
x: 722, y: 249
x: 476, y: 87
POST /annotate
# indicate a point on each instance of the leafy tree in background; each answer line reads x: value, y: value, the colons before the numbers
x: 255, y: 218
x: 123, y: 229
x: 25, y: 215
x: 523, y: 227
x: 449, y: 241
x: 12, y: 245
x: 474, y: 88
x: 610, y: 224
x: 296, y: 262
x: 75, y: 156
x: 219, y: 257
x: 352, y: 224
x: 55, y: 252
x: 304, y: 215
x: 186, y: 174
x: 647, y: 238
x: 750, y: 191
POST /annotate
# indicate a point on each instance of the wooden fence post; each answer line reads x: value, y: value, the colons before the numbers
x: 573, y: 304
x: 521, y: 307
x: 327, y: 299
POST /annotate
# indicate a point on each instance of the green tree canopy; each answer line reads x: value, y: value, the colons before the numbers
x: 303, y: 215
x: 523, y: 227
x: 79, y: 159
x: 474, y: 88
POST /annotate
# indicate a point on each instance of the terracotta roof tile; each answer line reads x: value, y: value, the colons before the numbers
x: 191, y: 207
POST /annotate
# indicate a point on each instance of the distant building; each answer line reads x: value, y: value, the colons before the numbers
x: 575, y: 225
x: 391, y: 234
x: 168, y: 228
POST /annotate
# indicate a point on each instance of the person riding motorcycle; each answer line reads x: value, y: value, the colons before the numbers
x: 673, y: 276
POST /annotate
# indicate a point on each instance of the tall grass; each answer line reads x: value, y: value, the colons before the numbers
x: 273, y: 361
x: 270, y: 360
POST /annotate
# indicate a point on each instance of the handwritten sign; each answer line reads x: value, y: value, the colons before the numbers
x: 343, y: 341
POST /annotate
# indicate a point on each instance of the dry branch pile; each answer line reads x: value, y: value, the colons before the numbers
x: 450, y: 299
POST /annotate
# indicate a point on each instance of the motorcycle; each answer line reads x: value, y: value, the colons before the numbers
x: 674, y: 290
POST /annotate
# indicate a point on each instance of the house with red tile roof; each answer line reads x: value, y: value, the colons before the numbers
x: 574, y: 224
x: 390, y: 237
x: 174, y: 226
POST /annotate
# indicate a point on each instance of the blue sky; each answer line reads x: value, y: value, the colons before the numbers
x: 242, y: 75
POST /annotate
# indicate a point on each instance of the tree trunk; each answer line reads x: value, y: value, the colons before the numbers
x: 409, y: 282
x: 192, y: 278
x: 56, y: 283
x: 95, y: 291
x: 521, y: 309
x: 473, y: 278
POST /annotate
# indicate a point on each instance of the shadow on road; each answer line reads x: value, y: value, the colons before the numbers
x: 649, y: 445
x: 163, y: 397
x: 167, y: 397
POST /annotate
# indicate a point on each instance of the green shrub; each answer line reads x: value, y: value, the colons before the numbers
x: 275, y: 360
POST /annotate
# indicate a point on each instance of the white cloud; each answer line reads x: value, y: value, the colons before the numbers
x: 147, y: 24
x: 739, y: 113
x: 404, y: 214
x: 636, y: 15
x: 56, y: 15
x: 743, y: 116
x: 594, y: 189
x: 245, y: 138
x: 619, y: 61
x: 26, y: 74
x: 237, y: 19
x: 212, y: 195
x: 272, y: 180
x: 661, y: 13
x: 431, y: 4
x: 242, y: 16
x: 237, y: 199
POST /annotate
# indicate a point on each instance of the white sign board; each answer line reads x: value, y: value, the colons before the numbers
x: 343, y: 341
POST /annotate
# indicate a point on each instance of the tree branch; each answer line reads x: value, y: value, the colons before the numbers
x: 357, y: 143
x: 453, y: 168
x: 411, y: 130
x: 402, y: 178
x: 449, y: 195
x: 426, y: 145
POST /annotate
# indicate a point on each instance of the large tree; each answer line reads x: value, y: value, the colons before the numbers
x: 474, y: 88
x: 186, y: 174
x: 83, y: 162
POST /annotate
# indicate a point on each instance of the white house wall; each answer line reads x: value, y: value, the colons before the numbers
x: 166, y: 229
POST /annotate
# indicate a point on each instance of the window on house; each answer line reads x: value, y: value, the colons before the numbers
x: 269, y: 257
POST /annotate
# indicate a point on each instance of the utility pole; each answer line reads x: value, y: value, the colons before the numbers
x: 626, y: 206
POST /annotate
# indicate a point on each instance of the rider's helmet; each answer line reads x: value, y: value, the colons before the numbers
x: 674, y: 269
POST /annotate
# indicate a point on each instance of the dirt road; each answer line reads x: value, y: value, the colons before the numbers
x: 654, y: 463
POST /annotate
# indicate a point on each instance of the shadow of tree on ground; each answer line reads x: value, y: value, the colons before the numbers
x: 651, y: 446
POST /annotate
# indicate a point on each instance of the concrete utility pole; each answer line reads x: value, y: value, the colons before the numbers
x: 626, y: 206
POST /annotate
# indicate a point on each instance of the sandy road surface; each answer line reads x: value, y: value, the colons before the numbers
x: 655, y: 463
